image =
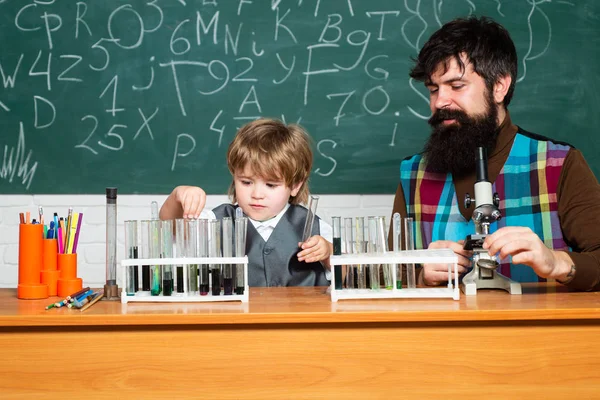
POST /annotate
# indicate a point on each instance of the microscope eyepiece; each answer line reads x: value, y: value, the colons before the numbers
x: 481, y: 166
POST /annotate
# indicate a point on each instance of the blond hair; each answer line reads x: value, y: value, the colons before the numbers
x: 273, y: 151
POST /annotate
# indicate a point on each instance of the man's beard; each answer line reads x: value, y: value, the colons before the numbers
x: 453, y: 148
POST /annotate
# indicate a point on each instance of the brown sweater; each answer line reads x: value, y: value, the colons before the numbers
x: 578, y: 196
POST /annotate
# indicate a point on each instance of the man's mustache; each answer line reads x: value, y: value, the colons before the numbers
x: 445, y: 113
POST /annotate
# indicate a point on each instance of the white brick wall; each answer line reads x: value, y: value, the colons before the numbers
x: 92, y: 248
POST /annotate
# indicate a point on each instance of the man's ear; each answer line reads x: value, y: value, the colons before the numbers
x: 296, y: 189
x: 501, y: 88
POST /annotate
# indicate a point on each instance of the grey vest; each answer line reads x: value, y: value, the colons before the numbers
x: 275, y: 262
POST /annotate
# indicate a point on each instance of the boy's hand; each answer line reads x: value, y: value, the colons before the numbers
x: 316, y: 248
x: 191, y: 199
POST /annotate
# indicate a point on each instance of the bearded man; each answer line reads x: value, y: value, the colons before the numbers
x: 549, y: 197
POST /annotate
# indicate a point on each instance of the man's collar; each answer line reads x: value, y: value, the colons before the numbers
x: 505, y: 136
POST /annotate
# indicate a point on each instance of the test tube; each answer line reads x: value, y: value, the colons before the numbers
x: 409, y: 244
x: 166, y: 251
x: 396, y: 235
x: 382, y: 247
x: 310, y: 217
x: 214, y: 250
x: 372, y: 270
x: 203, y: 252
x: 145, y: 253
x: 360, y: 247
x: 155, y: 270
x: 111, y: 290
x: 336, y: 223
x: 227, y: 224
x: 241, y: 227
x: 180, y: 252
x: 131, y: 252
x: 192, y: 249
x: 349, y: 240
x: 154, y: 210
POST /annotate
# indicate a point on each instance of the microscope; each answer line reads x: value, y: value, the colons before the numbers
x: 484, y: 274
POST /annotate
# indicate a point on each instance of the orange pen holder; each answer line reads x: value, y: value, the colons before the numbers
x: 50, y: 272
x: 31, y: 238
x: 68, y: 282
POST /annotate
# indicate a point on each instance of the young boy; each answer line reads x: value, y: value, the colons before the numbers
x: 270, y: 163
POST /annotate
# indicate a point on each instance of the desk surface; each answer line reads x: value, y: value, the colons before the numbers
x: 312, y: 305
x: 296, y: 343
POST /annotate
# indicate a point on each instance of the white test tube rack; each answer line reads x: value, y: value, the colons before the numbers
x: 396, y: 258
x: 186, y: 297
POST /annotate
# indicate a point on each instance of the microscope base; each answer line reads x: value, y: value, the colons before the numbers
x: 473, y: 281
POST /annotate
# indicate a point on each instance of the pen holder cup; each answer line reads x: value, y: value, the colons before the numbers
x: 50, y: 255
x: 50, y: 278
x: 31, y: 237
x: 68, y: 282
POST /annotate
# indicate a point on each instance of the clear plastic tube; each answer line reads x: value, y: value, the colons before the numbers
x: 372, y: 270
x: 382, y: 247
x: 145, y: 253
x: 310, y: 217
x: 179, y: 253
x: 349, y: 242
x: 131, y: 250
x: 203, y: 252
x: 241, y: 227
x: 360, y: 247
x: 396, y: 235
x: 409, y: 244
x: 155, y: 270
x: 227, y: 225
x: 214, y: 250
x: 166, y: 251
x: 336, y: 223
x: 111, y: 236
x: 192, y: 250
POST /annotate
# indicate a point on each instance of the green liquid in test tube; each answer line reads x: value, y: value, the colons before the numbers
x: 155, y: 270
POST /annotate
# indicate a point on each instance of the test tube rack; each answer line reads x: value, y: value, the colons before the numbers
x: 186, y: 296
x: 439, y: 256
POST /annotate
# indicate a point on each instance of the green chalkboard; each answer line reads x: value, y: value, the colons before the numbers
x: 146, y: 95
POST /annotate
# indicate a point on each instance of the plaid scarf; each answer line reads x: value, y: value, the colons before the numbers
x: 527, y: 188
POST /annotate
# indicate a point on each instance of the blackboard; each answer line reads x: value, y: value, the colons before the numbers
x: 146, y: 95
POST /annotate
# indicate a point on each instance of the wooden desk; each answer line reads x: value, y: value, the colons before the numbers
x: 295, y: 343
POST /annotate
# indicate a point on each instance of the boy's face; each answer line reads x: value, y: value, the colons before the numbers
x: 261, y: 199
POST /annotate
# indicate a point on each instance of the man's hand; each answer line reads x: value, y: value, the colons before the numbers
x: 436, y: 274
x: 316, y: 248
x: 525, y: 247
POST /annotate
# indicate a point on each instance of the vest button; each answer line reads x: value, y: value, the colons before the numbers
x: 267, y: 250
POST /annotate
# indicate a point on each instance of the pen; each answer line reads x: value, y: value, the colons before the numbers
x: 22, y: 218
